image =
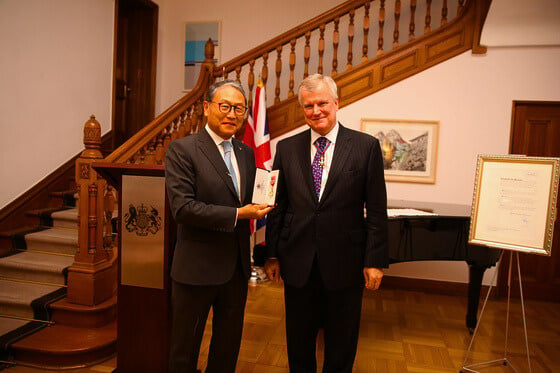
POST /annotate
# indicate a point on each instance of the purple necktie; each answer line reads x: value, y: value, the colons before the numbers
x: 318, y: 162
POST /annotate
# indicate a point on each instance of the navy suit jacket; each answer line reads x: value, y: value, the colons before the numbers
x: 204, y: 202
x: 333, y: 229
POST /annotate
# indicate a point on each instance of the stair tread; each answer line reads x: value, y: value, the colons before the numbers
x: 43, y: 210
x: 37, y: 261
x: 69, y: 339
x: 68, y: 214
x: 19, y: 230
x: 15, y: 292
x: 7, y: 324
x: 54, y: 234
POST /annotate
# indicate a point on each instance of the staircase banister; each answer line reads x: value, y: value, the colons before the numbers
x: 133, y: 145
x: 285, y: 38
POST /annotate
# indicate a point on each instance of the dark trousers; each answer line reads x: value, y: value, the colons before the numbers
x: 312, y: 307
x: 190, y: 306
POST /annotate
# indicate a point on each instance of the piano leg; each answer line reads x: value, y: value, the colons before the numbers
x: 475, y: 284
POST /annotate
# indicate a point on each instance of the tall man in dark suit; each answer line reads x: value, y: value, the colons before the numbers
x: 317, y: 237
x: 209, y: 180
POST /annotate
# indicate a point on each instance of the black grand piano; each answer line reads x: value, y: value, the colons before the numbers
x: 441, y: 235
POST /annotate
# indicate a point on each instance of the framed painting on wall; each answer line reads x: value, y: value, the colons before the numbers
x: 196, y: 36
x: 409, y: 148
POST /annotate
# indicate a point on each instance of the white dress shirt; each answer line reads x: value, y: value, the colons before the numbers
x: 218, y: 140
x: 328, y: 155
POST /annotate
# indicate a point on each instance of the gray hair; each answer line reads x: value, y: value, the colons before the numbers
x: 312, y: 82
x: 224, y: 83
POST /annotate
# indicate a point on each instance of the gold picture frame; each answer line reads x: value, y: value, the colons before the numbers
x: 409, y: 148
x: 514, y: 203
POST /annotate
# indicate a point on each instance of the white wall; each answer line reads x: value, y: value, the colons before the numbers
x: 532, y: 22
x: 56, y: 64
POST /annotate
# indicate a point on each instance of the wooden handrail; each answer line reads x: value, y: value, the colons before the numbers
x: 126, y: 152
x: 285, y: 38
x: 185, y: 116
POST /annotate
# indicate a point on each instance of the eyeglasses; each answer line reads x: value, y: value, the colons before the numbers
x: 225, y: 108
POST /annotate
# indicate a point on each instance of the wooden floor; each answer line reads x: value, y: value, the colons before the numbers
x: 401, y: 331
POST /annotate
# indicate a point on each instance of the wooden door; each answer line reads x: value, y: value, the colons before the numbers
x: 135, y: 67
x: 535, y: 132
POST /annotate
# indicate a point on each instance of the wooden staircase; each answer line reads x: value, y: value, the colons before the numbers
x: 84, y: 335
x: 88, y: 312
x: 41, y: 326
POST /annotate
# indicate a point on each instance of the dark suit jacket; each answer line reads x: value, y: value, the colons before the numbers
x: 203, y: 202
x: 333, y: 228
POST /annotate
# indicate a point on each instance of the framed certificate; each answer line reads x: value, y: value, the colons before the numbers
x: 264, y: 190
x: 514, y: 203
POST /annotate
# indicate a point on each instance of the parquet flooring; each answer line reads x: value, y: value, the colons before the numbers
x: 401, y: 331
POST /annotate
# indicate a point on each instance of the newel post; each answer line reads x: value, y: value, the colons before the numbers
x: 92, y: 276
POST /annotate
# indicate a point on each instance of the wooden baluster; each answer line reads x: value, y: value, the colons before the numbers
x: 336, y: 36
x: 350, y: 38
x: 321, y: 48
x: 151, y: 152
x: 92, y: 218
x: 141, y: 159
x: 199, y: 116
x: 412, y: 26
x: 109, y: 205
x: 175, y: 130
x: 264, y: 73
x: 306, y: 54
x: 366, y: 32
x: 278, y: 73
x: 182, y: 130
x: 397, y: 18
x: 194, y: 119
x: 169, y: 132
x: 251, y: 82
x: 461, y: 6
x: 292, y: 67
x: 381, y: 24
x: 444, y: 13
x: 159, y: 151
x: 428, y: 27
x: 238, y: 74
x: 187, y: 124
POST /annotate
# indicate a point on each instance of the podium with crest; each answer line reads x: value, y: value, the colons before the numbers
x: 144, y: 252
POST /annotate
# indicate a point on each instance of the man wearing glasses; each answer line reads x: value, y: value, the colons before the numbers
x: 209, y: 179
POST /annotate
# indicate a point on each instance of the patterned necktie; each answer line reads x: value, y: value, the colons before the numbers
x: 227, y: 160
x: 322, y: 143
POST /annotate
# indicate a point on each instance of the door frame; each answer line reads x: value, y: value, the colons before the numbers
x: 149, y: 95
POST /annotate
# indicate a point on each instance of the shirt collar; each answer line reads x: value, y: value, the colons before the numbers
x: 331, y: 136
x: 217, y: 139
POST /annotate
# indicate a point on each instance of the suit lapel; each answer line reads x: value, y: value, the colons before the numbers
x: 211, y: 151
x: 241, y: 157
x: 341, y: 151
x: 304, y: 159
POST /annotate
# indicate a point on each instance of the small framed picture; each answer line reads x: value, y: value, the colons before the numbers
x: 196, y: 36
x: 409, y: 148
